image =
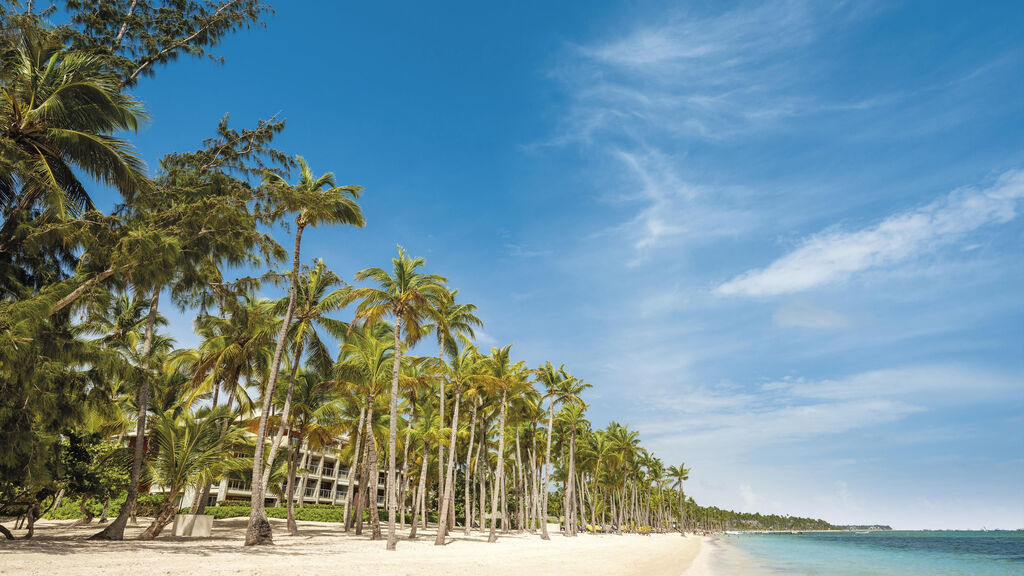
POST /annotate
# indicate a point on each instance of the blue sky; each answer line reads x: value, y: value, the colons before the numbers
x: 781, y: 239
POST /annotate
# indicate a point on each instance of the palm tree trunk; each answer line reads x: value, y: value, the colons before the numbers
x: 519, y: 484
x: 350, y: 491
x: 364, y: 472
x: 372, y: 462
x: 493, y: 537
x: 416, y: 506
x: 304, y: 464
x: 392, y: 487
x: 483, y: 470
x: 163, y: 517
x: 440, y: 448
x: 570, y: 517
x: 404, y: 491
x: 468, y: 480
x: 115, y: 530
x: 285, y: 425
x: 289, y: 490
x: 449, y: 480
x: 259, y: 531
x: 547, y: 467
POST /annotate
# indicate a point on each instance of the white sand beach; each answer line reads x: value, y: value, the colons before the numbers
x: 322, y: 548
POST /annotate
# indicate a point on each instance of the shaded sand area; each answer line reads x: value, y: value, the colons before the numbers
x: 321, y: 548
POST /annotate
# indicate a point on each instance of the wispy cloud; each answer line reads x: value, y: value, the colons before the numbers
x: 706, y: 76
x: 835, y: 255
x: 643, y: 98
x: 810, y: 316
x: 674, y: 210
x: 523, y: 251
x: 735, y: 418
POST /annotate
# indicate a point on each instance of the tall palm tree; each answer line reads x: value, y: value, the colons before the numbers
x: 572, y: 417
x: 467, y: 366
x: 551, y: 379
x: 504, y: 379
x: 59, y: 109
x: 405, y: 295
x: 315, y: 300
x: 363, y: 367
x: 314, y: 201
x: 679, y: 474
x: 314, y: 421
x: 450, y: 322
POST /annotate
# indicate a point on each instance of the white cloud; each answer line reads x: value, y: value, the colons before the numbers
x: 835, y: 255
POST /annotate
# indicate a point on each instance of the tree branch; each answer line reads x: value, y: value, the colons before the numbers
x: 179, y: 44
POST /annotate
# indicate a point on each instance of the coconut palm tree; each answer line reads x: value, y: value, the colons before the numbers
x: 234, y: 351
x: 188, y: 448
x: 314, y: 421
x: 552, y: 380
x: 467, y: 366
x: 572, y: 418
x: 315, y: 300
x: 314, y: 201
x: 503, y: 379
x: 364, y: 368
x: 679, y: 474
x: 59, y: 110
x: 451, y: 323
x: 416, y: 379
x: 405, y: 295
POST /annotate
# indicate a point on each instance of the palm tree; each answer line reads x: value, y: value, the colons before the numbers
x: 451, y: 323
x: 315, y: 300
x: 315, y: 201
x: 572, y: 417
x: 552, y: 380
x: 315, y: 416
x: 467, y: 367
x: 404, y: 295
x: 678, y: 474
x: 505, y: 378
x: 187, y: 449
x: 363, y: 367
x: 59, y: 109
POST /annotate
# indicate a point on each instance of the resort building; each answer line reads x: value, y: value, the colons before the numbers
x: 321, y: 479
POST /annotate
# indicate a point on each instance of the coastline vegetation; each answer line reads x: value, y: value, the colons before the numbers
x: 97, y: 401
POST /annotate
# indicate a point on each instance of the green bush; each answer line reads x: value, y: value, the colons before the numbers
x: 321, y: 513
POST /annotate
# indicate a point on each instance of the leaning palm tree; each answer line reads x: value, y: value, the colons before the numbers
x: 405, y: 295
x: 59, y: 109
x: 315, y: 201
x: 315, y: 300
x: 187, y: 449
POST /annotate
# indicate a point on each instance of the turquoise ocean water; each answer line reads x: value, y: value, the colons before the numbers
x: 895, y: 553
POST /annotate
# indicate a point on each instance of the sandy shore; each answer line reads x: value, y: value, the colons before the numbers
x: 322, y: 548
